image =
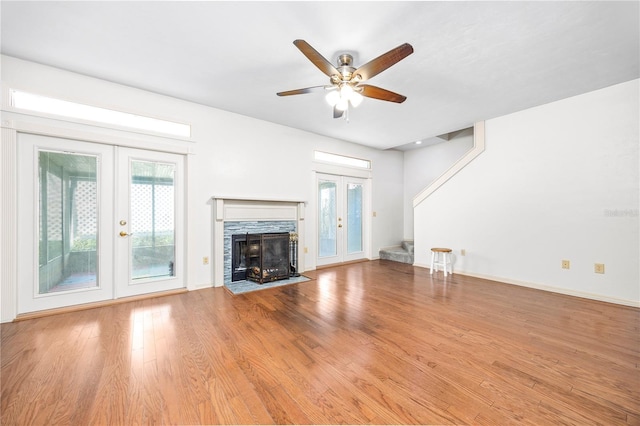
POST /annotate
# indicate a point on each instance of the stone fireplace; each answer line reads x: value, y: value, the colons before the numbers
x: 237, y: 216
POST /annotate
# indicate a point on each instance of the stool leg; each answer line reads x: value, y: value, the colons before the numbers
x: 433, y: 253
x: 450, y: 264
x: 445, y: 256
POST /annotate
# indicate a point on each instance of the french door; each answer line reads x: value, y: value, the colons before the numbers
x: 96, y: 222
x: 149, y: 222
x: 341, y: 216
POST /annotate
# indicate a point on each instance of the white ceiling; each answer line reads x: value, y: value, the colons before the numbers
x: 472, y: 60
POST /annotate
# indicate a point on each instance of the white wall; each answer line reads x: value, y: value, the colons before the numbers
x: 223, y: 144
x: 423, y: 166
x: 555, y: 182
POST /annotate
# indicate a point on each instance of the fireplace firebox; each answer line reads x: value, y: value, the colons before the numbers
x: 260, y: 257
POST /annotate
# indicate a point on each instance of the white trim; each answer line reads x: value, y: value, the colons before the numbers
x: 551, y: 289
x: 258, y: 199
x: 260, y: 212
x: 478, y: 148
x: 333, y: 169
x: 340, y: 160
x: 8, y: 229
x: 171, y: 146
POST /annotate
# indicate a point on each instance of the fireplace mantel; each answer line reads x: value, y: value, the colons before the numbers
x: 248, y: 209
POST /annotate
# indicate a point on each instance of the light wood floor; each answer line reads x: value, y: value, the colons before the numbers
x: 374, y: 342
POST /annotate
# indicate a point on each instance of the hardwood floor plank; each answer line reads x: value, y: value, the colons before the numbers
x: 415, y: 403
x: 220, y: 412
x: 366, y: 343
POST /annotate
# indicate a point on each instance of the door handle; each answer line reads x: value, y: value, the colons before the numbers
x: 340, y: 226
x: 124, y: 234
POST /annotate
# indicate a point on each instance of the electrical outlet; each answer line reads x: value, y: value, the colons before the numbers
x: 463, y: 252
x: 598, y: 268
x: 205, y: 260
x: 306, y: 250
x: 375, y: 214
x: 566, y: 264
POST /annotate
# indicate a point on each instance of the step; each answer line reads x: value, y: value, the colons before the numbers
x: 397, y: 254
x: 408, y: 246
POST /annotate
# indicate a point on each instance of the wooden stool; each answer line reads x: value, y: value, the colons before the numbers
x: 441, y: 257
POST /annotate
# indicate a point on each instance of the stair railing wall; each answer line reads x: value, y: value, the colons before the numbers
x: 478, y: 148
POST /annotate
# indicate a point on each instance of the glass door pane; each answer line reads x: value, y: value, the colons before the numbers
x: 152, y: 220
x: 68, y: 222
x: 327, y: 219
x: 354, y: 218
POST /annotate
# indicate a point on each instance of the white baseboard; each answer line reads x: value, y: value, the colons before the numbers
x: 560, y: 290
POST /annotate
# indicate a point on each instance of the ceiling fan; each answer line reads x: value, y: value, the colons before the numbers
x: 346, y: 86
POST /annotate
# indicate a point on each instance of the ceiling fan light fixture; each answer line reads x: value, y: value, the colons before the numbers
x: 333, y: 97
x: 341, y: 98
x: 355, y: 99
x: 343, y: 104
x: 346, y: 91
